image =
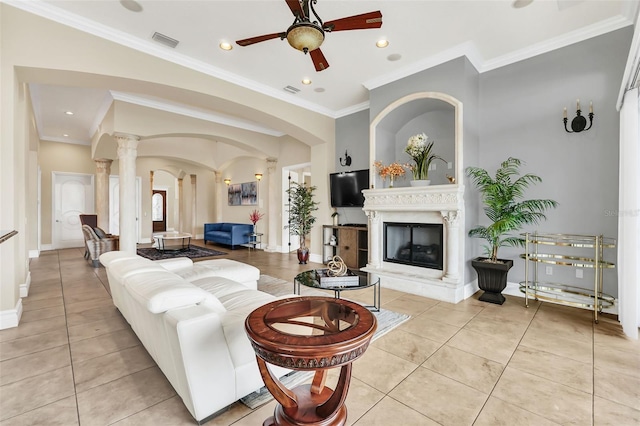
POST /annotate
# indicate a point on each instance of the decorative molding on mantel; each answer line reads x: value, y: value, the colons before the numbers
x: 411, y: 199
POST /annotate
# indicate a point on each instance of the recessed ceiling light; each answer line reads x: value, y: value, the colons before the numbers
x: 306, y: 81
x: 69, y: 112
x: 131, y: 5
x: 65, y: 135
x: 382, y: 43
x: 226, y: 46
x: 394, y: 57
x: 518, y: 4
x: 319, y: 89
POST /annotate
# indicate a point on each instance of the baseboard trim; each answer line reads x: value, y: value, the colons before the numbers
x: 11, y: 317
x: 46, y: 247
x: 24, y: 287
x: 34, y: 254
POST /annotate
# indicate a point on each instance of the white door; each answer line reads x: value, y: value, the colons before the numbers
x: 72, y: 196
x: 289, y: 242
x: 114, y: 206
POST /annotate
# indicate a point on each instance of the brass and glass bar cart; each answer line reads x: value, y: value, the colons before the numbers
x: 577, y: 251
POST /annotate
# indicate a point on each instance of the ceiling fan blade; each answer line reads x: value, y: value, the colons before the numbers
x: 319, y: 60
x: 356, y: 22
x: 296, y: 8
x: 258, y: 39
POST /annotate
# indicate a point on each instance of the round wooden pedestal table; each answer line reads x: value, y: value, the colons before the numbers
x: 313, y: 334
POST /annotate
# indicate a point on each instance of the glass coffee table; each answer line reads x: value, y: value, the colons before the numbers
x: 310, y: 279
x: 172, y: 241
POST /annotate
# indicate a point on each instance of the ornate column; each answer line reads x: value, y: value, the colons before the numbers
x: 451, y: 268
x: 219, y: 196
x: 375, y: 241
x: 193, y: 205
x: 127, y: 154
x: 272, y: 217
x: 180, y: 206
x: 103, y: 169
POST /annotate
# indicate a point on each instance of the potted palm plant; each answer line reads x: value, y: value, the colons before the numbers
x: 503, y: 205
x: 301, y: 219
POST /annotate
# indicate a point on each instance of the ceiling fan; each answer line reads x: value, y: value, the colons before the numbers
x: 307, y: 36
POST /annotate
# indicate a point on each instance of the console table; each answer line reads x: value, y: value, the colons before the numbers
x: 312, y: 334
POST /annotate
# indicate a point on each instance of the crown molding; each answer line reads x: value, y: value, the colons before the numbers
x: 196, y: 113
x: 65, y: 140
x: 564, y: 40
x: 467, y: 49
x: 470, y: 51
x: 352, y: 109
x: 97, y: 29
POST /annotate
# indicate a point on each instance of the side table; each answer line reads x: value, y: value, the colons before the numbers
x: 312, y: 334
x: 255, y: 240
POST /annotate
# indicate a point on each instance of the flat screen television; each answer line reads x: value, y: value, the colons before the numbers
x: 346, y: 188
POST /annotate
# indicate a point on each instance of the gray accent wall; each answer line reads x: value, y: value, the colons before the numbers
x: 516, y: 111
x: 352, y: 135
x: 521, y: 116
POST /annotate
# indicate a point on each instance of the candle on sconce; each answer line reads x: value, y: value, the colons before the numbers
x: 578, y: 104
x: 591, y: 107
x: 564, y: 114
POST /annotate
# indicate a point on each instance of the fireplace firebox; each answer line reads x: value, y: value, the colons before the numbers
x: 415, y: 244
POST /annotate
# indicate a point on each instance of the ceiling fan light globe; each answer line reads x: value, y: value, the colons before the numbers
x: 305, y: 36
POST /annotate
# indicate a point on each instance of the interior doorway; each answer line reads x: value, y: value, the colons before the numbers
x: 72, y: 195
x: 159, y: 210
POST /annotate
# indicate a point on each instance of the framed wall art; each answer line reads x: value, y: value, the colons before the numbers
x: 235, y: 194
x: 243, y: 194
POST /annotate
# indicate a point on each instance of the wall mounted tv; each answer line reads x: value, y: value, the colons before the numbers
x: 346, y: 188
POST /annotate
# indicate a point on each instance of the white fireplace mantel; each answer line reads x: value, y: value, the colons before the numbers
x: 443, y: 204
x: 418, y: 198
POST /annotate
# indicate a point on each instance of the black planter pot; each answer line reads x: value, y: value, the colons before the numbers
x: 303, y: 255
x: 492, y: 278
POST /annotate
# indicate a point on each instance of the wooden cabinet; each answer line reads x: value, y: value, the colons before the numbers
x: 351, y: 243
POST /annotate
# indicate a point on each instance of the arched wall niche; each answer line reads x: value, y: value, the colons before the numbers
x: 437, y: 114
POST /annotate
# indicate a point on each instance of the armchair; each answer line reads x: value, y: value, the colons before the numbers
x: 96, y: 246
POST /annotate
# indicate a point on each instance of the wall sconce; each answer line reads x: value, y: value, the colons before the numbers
x: 347, y: 159
x: 259, y: 176
x: 579, y: 123
x: 227, y: 181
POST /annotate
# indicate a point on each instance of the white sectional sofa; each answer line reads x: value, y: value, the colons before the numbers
x: 190, y: 318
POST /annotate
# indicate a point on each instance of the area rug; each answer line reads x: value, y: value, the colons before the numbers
x: 194, y: 252
x: 387, y: 321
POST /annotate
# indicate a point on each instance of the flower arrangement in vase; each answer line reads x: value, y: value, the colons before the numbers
x: 420, y: 151
x: 393, y: 170
x: 254, y: 217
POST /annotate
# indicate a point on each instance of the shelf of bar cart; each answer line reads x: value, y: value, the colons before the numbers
x: 561, y: 293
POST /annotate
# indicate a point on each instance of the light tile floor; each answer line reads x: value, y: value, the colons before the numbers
x: 74, y: 360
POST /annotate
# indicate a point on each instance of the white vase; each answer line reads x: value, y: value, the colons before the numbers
x: 421, y: 182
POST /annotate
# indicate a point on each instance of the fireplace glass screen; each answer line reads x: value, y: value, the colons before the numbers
x: 416, y: 244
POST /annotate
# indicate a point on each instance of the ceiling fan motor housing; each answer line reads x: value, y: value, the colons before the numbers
x: 305, y: 36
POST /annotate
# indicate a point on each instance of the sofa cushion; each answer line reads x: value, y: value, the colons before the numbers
x: 121, y: 270
x: 176, y: 263
x: 237, y: 271
x: 160, y: 291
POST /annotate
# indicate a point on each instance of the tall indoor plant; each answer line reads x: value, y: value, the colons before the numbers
x: 301, y: 219
x: 503, y: 205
